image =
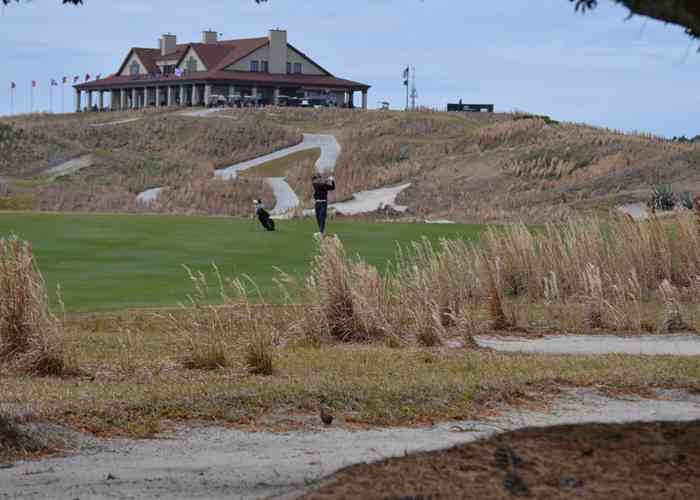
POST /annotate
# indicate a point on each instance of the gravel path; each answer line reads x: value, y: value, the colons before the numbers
x: 117, y: 122
x: 286, y: 198
x: 221, y: 463
x: 69, y: 167
x: 149, y: 195
x: 330, y: 150
x: 675, y: 345
x: 369, y: 201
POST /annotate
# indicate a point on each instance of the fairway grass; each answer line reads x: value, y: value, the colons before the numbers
x: 109, y: 262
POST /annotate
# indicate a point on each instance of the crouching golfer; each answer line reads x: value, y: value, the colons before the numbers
x: 321, y: 188
x: 263, y: 216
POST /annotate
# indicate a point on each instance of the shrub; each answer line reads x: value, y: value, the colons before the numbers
x: 28, y: 331
x: 685, y: 200
x: 662, y: 198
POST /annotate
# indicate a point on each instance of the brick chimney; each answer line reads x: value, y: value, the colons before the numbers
x: 210, y: 36
x: 278, y: 52
x: 168, y: 44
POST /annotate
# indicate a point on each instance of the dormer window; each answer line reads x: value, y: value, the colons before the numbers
x: 134, y: 69
x: 264, y: 67
x: 297, y: 68
x: 289, y: 68
x: 191, y: 64
x: 254, y: 66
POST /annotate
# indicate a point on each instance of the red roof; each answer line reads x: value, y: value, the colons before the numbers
x: 217, y: 56
x: 234, y: 77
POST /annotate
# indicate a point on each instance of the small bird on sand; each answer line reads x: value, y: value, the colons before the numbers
x: 326, y: 417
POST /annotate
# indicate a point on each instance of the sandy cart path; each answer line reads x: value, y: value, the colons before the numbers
x: 221, y: 463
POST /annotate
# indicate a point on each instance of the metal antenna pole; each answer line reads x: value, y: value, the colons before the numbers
x: 414, y: 92
x: 407, y: 91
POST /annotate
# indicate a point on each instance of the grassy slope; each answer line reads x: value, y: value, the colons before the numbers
x: 110, y: 262
x: 280, y: 166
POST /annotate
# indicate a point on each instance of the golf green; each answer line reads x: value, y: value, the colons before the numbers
x: 109, y: 262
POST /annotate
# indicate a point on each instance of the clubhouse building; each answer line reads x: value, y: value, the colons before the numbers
x: 187, y: 74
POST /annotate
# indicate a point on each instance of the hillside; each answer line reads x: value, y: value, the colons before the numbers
x: 499, y: 167
x: 464, y: 167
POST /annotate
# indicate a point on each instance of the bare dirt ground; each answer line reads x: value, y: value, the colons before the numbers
x: 658, y: 460
x: 216, y: 462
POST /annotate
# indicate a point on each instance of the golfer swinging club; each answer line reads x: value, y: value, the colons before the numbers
x: 321, y: 188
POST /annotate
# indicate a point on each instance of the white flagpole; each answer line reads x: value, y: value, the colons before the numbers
x: 31, y: 99
x: 50, y: 97
x: 63, y: 95
x: 12, y: 100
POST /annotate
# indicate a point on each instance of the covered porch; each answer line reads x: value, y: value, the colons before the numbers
x: 160, y: 94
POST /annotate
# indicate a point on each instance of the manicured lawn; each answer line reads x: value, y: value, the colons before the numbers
x: 111, y: 262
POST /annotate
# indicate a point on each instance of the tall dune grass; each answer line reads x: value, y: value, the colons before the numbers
x: 29, y: 333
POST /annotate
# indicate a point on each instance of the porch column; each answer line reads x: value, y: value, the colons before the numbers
x: 157, y: 97
x: 364, y: 99
x: 231, y: 89
x: 182, y: 95
x: 134, y: 102
x: 102, y: 100
x: 195, y: 95
x: 207, y: 93
x: 254, y: 93
x: 89, y: 100
x: 170, y: 95
x: 122, y: 100
x: 77, y: 100
x: 351, y: 98
x: 276, y: 99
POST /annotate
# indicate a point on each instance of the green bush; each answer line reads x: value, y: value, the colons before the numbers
x: 662, y: 197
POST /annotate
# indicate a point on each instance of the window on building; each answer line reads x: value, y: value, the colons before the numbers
x: 135, y: 68
x: 254, y: 66
x: 168, y: 69
x: 264, y: 67
x: 297, y: 67
x: 289, y: 68
x: 191, y: 64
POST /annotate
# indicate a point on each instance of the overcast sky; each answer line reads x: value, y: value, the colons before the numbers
x: 536, y: 56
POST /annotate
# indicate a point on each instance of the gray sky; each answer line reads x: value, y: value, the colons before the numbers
x: 534, y: 56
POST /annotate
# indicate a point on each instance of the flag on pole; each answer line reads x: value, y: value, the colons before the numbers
x: 33, y: 83
x: 65, y: 80
x: 87, y: 76
x: 75, y: 79
x: 406, y: 72
x: 98, y: 76
x: 178, y: 72
x: 13, y: 85
x: 54, y: 83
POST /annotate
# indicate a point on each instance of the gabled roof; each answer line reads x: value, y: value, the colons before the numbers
x: 210, y: 54
x: 240, y: 49
x: 146, y: 56
x: 217, y: 57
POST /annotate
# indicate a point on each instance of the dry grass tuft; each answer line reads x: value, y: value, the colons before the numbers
x: 673, y: 319
x: 218, y: 336
x: 496, y: 314
x: 29, y: 333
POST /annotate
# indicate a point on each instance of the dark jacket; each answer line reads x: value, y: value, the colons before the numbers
x: 321, y: 189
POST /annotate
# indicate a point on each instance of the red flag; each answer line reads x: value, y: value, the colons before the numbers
x: 75, y: 79
x: 13, y: 85
x: 33, y: 83
x: 87, y: 76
